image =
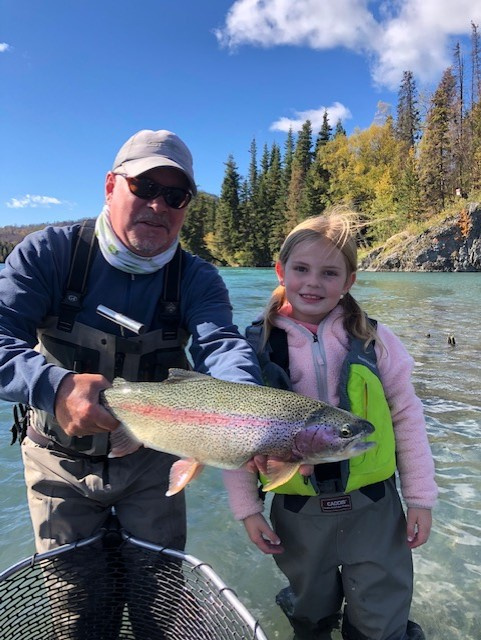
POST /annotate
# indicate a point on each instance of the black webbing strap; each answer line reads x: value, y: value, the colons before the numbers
x: 168, y: 307
x: 82, y: 257
x: 280, y: 349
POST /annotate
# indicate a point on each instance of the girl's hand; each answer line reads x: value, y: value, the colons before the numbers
x: 262, y: 535
x: 419, y: 523
x: 259, y: 463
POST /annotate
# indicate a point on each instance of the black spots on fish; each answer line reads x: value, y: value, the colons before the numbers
x: 325, y: 417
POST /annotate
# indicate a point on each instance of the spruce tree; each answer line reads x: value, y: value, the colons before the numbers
x: 226, y: 240
x: 288, y: 156
x: 317, y: 179
x: 408, y: 124
x: 339, y: 130
x: 436, y: 148
x: 197, y: 225
x: 297, y: 202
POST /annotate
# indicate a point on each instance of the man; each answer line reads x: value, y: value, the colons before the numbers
x: 72, y: 483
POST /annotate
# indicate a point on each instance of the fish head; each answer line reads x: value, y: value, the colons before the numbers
x: 332, y: 434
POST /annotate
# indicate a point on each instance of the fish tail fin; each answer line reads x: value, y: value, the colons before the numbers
x: 181, y: 473
x: 278, y: 473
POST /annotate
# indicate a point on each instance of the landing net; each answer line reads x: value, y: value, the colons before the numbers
x: 114, y: 587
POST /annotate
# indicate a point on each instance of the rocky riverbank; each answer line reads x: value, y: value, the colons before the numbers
x: 454, y: 245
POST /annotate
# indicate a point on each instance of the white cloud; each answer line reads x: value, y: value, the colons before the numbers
x: 4, y: 47
x: 311, y: 23
x: 32, y: 202
x: 420, y: 38
x: 335, y: 113
x: 414, y: 35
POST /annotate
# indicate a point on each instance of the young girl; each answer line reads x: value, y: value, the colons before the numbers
x: 341, y: 536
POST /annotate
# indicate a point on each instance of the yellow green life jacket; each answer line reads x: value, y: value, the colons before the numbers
x: 360, y: 391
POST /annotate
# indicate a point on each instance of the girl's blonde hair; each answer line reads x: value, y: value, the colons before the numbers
x: 339, y: 226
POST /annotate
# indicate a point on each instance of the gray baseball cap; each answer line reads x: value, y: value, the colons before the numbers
x: 149, y: 149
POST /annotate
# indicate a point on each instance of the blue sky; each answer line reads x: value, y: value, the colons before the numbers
x: 78, y: 78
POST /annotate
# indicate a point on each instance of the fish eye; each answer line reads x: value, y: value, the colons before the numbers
x: 345, y: 431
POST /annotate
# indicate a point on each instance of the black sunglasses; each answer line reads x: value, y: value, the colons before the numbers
x: 148, y: 189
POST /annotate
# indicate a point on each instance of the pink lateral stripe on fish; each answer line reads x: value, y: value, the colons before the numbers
x: 179, y: 416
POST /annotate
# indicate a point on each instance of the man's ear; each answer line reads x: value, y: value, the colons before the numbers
x: 109, y: 185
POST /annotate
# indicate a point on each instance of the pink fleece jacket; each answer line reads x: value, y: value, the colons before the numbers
x: 315, y: 369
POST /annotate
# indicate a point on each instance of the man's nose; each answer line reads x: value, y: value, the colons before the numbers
x: 159, y: 205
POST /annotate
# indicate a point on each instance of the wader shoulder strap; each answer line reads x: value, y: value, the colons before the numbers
x: 85, y: 246
x: 273, y: 357
x: 168, y: 306
x: 357, y: 354
x: 279, y: 349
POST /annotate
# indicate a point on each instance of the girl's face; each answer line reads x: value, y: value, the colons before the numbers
x: 315, y: 276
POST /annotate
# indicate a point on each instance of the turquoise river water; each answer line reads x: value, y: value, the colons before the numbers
x: 424, y: 309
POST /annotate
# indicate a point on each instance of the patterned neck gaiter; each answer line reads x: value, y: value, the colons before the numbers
x: 117, y: 254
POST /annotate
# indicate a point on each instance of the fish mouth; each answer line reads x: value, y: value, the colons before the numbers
x: 351, y: 450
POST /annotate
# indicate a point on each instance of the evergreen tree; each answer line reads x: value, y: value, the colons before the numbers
x: 246, y: 253
x: 408, y: 126
x: 263, y: 206
x: 473, y: 124
x: 339, y: 130
x: 317, y: 179
x: 475, y: 66
x: 288, y: 156
x: 461, y: 141
x: 324, y: 134
x: 408, y: 200
x: 475, y: 152
x: 277, y: 203
x: 226, y: 240
x: 253, y: 173
x: 436, y: 147
x: 297, y: 202
x: 197, y: 225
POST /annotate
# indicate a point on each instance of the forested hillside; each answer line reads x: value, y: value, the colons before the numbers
x: 402, y: 173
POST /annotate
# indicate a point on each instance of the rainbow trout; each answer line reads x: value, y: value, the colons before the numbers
x: 206, y: 421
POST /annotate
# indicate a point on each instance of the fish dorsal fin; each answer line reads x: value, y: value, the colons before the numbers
x: 184, y: 375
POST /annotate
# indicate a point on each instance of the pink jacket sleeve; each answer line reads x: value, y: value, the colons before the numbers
x: 414, y: 459
x: 244, y: 498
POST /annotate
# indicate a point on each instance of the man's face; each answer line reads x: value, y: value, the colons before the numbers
x: 146, y: 227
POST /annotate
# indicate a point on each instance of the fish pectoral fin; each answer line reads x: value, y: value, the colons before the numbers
x: 279, y: 472
x: 181, y: 473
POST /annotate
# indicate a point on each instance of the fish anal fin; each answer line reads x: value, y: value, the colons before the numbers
x: 279, y: 472
x: 181, y: 473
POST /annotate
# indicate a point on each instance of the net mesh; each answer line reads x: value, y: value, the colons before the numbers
x: 109, y: 588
